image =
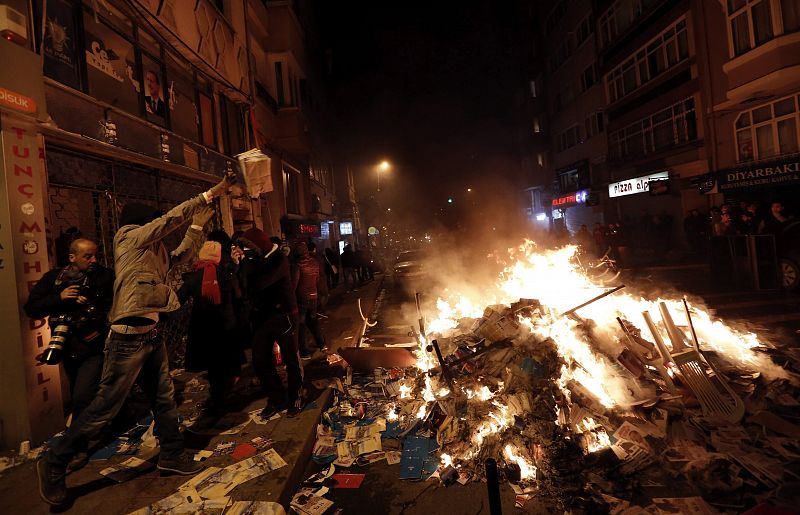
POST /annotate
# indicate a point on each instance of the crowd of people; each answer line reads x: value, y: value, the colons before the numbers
x: 246, y: 290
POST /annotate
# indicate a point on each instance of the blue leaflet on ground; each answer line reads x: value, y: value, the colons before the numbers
x: 106, y: 452
x: 431, y: 464
x: 324, y: 460
x: 416, y: 457
x: 393, y: 430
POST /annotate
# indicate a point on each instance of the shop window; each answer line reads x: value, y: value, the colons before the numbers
x: 111, y: 66
x: 768, y: 130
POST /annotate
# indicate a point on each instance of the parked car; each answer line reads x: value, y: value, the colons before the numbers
x: 409, y: 269
x: 789, y: 256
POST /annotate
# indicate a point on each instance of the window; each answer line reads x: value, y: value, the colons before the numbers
x: 750, y: 24
x: 555, y: 16
x: 588, y: 78
x: 291, y: 189
x: 568, y: 139
x: 594, y: 124
x: 618, y: 17
x: 667, y: 128
x: 769, y: 130
x: 279, y: 92
x: 183, y: 112
x: 540, y: 159
x: 667, y: 49
x: 574, y: 179
x: 232, y: 125
x: 207, y: 120
x: 584, y: 30
x: 533, y: 88
x: 536, y: 127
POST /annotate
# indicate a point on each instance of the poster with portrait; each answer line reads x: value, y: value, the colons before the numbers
x: 155, y: 103
x: 60, y: 46
x: 111, y: 66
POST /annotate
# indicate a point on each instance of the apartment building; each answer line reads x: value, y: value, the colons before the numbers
x: 755, y: 101
x: 576, y: 161
x: 289, y: 123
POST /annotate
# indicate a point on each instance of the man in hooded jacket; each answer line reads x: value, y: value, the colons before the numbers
x: 134, y: 348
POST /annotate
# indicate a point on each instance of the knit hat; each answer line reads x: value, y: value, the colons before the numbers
x: 211, y: 251
x: 259, y: 239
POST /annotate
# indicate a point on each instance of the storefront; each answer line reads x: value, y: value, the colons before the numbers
x: 574, y: 209
x: 763, y: 183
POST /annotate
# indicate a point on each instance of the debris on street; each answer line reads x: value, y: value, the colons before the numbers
x: 588, y: 396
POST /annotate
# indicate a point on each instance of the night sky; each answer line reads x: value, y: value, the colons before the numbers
x: 437, y: 91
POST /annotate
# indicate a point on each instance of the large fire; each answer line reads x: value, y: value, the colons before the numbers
x: 559, y: 282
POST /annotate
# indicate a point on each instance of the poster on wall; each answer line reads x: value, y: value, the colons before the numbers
x: 60, y: 44
x: 155, y: 105
x: 111, y: 66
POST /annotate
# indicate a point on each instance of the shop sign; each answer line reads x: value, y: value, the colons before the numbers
x: 17, y: 101
x: 573, y: 199
x: 635, y: 185
x: 769, y: 174
x: 23, y: 261
x: 345, y: 228
x: 303, y: 229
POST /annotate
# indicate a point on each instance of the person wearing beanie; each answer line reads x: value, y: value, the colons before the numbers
x: 274, y: 318
x: 209, y: 347
x: 135, y: 347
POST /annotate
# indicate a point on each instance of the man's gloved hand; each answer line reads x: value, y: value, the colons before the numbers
x: 202, y: 216
x: 221, y: 188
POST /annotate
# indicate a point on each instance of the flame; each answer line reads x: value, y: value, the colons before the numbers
x: 527, y: 470
x: 559, y: 283
x: 447, y: 460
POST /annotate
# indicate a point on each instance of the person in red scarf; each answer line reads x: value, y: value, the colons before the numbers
x: 209, y: 347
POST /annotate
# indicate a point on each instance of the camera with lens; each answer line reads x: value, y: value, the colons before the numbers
x: 73, y: 330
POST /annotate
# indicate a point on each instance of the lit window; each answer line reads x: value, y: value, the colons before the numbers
x: 536, y: 128
x: 669, y: 127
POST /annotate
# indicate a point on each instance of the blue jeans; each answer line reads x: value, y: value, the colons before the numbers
x: 127, y: 357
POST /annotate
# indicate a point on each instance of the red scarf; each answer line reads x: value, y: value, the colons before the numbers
x: 210, y: 288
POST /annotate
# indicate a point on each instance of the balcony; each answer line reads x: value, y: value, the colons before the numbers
x: 768, y: 68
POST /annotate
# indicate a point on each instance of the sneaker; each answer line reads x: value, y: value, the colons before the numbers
x: 183, y: 465
x: 79, y: 461
x: 52, y: 483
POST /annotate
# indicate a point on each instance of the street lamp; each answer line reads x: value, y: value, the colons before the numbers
x: 383, y: 167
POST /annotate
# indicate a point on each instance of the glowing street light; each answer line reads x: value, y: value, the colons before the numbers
x: 384, y: 166
x: 469, y: 190
x: 450, y: 200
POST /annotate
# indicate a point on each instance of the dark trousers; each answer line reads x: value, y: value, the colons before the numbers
x: 84, y: 375
x: 126, y: 358
x: 281, y: 329
x: 308, y: 322
x: 220, y: 384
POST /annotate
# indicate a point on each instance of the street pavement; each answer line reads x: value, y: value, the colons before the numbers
x: 292, y: 439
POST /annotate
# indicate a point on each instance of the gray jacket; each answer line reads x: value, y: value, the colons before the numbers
x: 141, y: 262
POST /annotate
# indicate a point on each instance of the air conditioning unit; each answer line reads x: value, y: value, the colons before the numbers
x: 13, y: 25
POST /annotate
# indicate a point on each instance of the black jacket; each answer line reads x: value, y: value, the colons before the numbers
x: 45, y: 301
x: 271, y: 288
x: 209, y: 342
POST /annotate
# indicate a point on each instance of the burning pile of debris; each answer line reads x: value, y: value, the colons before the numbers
x: 584, y: 394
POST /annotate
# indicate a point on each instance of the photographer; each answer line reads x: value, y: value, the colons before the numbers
x: 77, y: 299
x: 135, y: 350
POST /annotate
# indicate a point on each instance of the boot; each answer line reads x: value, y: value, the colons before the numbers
x: 52, y: 482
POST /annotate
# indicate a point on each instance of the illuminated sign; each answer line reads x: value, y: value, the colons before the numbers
x: 579, y: 197
x: 16, y: 101
x: 635, y: 185
x: 345, y: 228
x: 308, y: 229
